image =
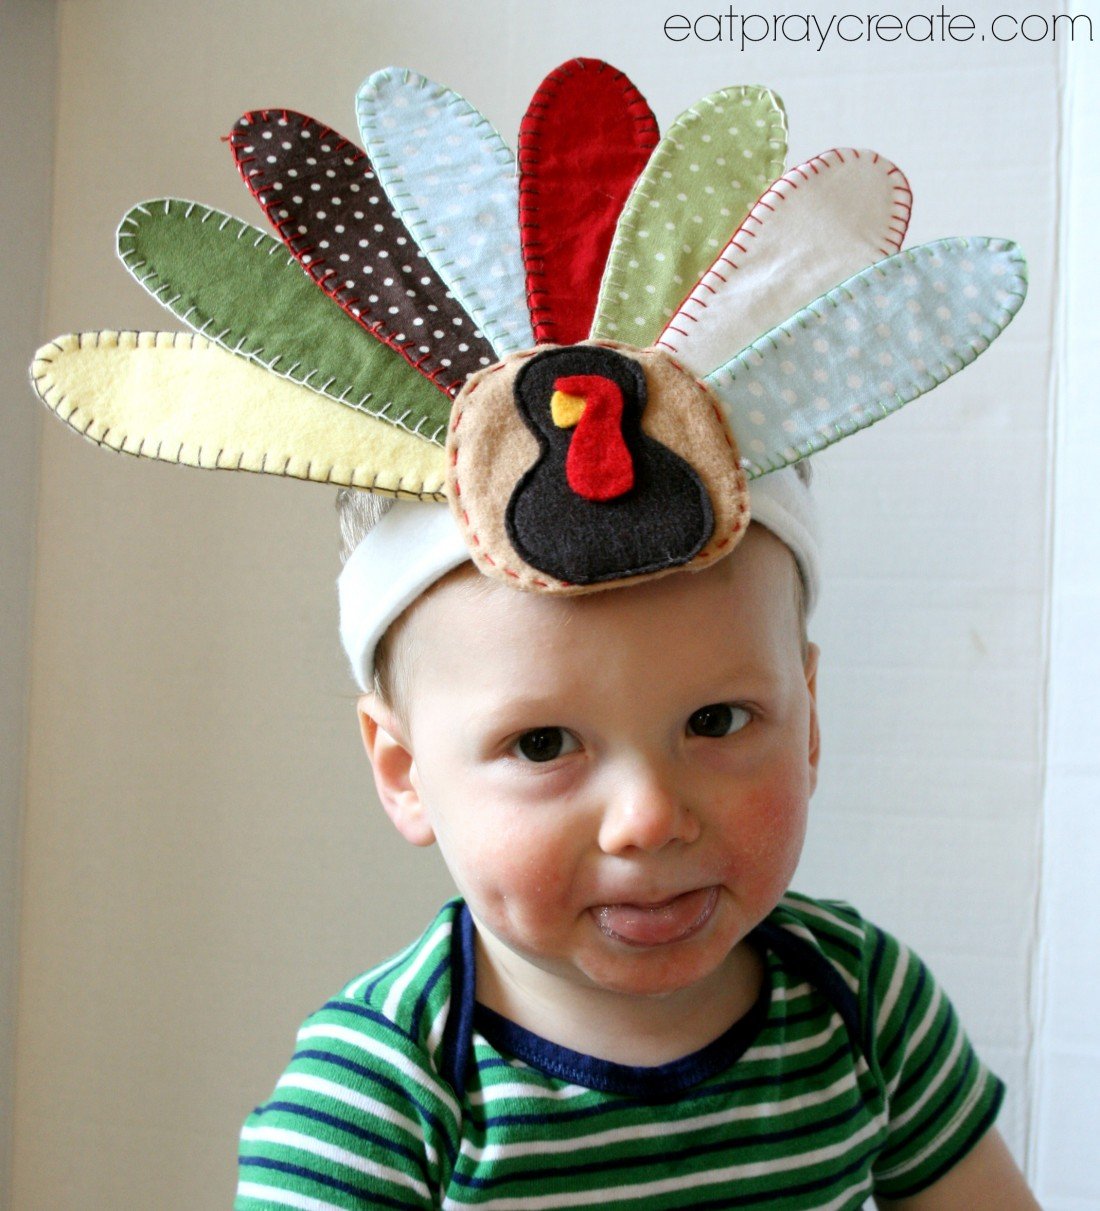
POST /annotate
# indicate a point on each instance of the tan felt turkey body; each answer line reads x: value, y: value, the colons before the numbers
x: 490, y: 450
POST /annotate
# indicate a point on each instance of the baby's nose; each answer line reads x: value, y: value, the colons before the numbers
x: 646, y: 810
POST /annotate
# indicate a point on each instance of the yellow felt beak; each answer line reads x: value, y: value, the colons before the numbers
x: 566, y: 409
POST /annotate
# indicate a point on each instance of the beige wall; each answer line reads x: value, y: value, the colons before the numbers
x: 204, y: 861
x: 28, y: 54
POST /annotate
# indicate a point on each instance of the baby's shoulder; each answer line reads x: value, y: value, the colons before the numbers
x: 876, y: 982
x: 367, y: 1072
x: 835, y: 934
x: 400, y: 1007
x: 833, y: 928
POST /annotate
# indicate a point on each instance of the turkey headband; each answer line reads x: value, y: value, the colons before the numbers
x: 604, y: 354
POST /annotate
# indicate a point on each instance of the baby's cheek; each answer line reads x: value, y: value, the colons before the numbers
x: 770, y: 828
x: 519, y: 874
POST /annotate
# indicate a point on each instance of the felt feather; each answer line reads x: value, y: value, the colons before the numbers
x: 864, y: 349
x: 177, y: 397
x: 452, y: 179
x: 322, y: 196
x: 573, y: 186
x: 811, y: 229
x: 237, y: 286
x: 710, y: 166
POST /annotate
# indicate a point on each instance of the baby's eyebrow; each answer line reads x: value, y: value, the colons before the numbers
x: 751, y: 679
x: 522, y: 710
x: 735, y: 676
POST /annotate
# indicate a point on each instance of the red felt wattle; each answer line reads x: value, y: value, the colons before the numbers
x: 598, y: 465
x: 583, y: 142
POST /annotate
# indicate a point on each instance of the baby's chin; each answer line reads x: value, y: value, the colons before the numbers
x: 633, y: 954
x: 684, y: 968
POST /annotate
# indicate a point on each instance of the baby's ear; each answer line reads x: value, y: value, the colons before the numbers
x: 391, y: 758
x: 810, y: 670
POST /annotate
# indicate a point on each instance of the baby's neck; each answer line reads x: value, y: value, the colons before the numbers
x: 640, y: 1031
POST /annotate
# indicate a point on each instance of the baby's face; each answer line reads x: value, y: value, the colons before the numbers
x: 618, y: 782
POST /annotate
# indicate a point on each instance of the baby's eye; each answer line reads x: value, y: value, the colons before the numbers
x: 718, y: 719
x: 545, y: 744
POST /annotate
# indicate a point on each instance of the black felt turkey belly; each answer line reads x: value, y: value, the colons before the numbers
x: 603, y: 500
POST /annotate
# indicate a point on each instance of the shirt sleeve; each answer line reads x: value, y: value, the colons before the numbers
x: 941, y: 1098
x: 358, y: 1119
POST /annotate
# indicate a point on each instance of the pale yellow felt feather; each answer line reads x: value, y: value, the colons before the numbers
x: 178, y: 397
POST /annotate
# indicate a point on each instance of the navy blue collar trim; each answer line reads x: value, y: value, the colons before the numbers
x: 459, y: 1028
x: 649, y: 1083
x: 805, y: 958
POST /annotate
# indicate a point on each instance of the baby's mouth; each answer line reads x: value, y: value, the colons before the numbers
x: 671, y: 920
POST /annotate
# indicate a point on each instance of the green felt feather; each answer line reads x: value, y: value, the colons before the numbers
x: 241, y: 289
x: 715, y: 160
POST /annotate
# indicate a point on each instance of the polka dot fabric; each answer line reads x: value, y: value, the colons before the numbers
x: 322, y: 196
x: 810, y: 230
x: 863, y: 350
x: 715, y: 160
x: 238, y: 286
x: 452, y: 179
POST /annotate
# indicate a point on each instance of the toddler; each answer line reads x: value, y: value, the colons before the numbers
x: 626, y: 1004
x: 586, y: 675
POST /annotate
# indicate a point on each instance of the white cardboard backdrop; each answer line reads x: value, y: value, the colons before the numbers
x: 1067, y: 1057
x: 203, y: 860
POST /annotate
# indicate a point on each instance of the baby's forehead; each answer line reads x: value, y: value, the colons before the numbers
x: 756, y: 586
x: 475, y: 642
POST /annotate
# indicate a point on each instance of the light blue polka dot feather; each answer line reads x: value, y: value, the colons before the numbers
x: 453, y: 180
x: 864, y: 349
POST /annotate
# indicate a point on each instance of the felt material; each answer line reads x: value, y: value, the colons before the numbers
x: 322, y: 196
x: 566, y: 409
x: 866, y: 348
x: 624, y: 505
x: 716, y: 159
x: 584, y: 139
x: 178, y: 397
x: 599, y: 465
x: 237, y: 286
x: 453, y: 181
x: 491, y: 449
x: 813, y: 228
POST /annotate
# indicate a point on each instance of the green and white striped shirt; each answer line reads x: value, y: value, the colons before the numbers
x: 850, y: 1076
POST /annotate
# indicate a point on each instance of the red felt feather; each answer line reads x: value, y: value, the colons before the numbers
x: 583, y: 142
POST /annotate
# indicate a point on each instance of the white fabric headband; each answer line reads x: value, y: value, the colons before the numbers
x: 414, y: 544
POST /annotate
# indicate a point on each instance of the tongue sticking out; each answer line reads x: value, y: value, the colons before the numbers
x: 598, y: 465
x: 658, y: 924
